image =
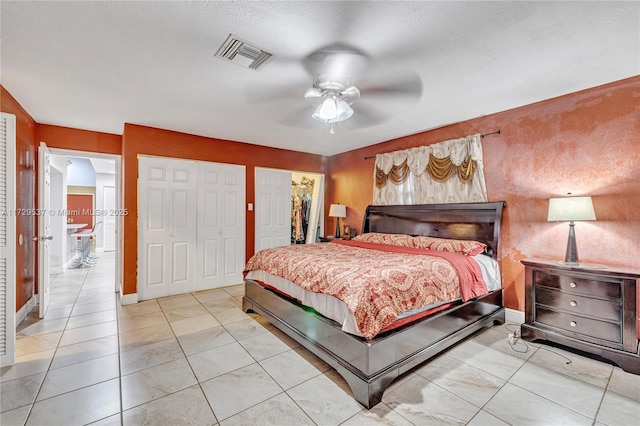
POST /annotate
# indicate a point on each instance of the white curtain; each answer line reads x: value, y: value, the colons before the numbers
x: 446, y: 172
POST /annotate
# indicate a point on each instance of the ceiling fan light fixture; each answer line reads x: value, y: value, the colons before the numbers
x: 327, y: 110
x: 332, y: 110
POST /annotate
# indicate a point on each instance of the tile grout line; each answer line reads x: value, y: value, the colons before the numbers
x: 35, y: 398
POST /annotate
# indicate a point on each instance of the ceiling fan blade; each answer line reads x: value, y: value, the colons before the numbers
x: 262, y: 92
x: 313, y: 92
x: 351, y: 92
x: 338, y: 62
x: 366, y: 115
x: 299, y: 118
x: 406, y: 85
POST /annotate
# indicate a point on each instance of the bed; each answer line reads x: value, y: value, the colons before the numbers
x: 369, y: 365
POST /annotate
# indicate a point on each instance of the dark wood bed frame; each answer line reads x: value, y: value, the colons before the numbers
x: 369, y: 366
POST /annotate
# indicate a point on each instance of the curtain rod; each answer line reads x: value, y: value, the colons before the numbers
x: 497, y: 132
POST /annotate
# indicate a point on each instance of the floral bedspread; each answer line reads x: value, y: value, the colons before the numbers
x: 375, y: 283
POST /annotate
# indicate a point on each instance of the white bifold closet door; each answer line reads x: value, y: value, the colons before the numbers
x: 167, y: 226
x: 221, y: 225
x: 191, y: 226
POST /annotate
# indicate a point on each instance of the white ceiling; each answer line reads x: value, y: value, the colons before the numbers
x: 97, y: 65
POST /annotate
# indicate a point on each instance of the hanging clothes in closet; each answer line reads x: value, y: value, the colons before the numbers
x: 297, y: 233
x: 301, y: 199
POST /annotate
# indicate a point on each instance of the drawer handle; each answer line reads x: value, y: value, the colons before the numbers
x: 573, y: 324
x: 573, y: 285
x: 573, y: 303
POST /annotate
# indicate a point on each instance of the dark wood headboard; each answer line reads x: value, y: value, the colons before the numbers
x: 460, y: 221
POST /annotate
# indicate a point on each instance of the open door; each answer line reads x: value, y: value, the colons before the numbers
x: 44, y: 226
x: 273, y: 209
x: 7, y: 238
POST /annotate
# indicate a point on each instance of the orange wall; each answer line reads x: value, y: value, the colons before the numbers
x: 79, y: 140
x: 25, y: 196
x: 140, y: 140
x: 587, y: 143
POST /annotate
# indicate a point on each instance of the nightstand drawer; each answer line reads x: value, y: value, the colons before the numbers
x: 577, y: 324
x: 575, y: 304
x: 578, y: 285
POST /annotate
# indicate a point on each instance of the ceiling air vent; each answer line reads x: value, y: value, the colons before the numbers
x: 242, y: 53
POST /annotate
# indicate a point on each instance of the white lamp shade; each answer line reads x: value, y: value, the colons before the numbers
x: 338, y: 210
x: 571, y: 209
x: 332, y: 111
x: 327, y: 110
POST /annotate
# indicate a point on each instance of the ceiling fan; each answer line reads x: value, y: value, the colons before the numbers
x: 346, y: 84
x: 335, y: 97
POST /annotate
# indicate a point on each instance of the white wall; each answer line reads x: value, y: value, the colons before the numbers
x: 80, y: 172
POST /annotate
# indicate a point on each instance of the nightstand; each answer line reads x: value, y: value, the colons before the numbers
x: 592, y: 308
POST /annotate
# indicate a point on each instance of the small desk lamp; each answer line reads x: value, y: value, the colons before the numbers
x: 337, y: 211
x: 571, y: 209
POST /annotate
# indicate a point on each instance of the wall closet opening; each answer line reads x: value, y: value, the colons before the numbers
x: 288, y: 208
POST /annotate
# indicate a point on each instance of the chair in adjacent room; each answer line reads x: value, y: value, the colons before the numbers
x: 87, y: 257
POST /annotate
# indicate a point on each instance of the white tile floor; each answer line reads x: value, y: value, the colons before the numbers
x: 198, y: 359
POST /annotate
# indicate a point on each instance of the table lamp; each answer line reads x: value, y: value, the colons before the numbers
x: 571, y: 209
x: 337, y: 211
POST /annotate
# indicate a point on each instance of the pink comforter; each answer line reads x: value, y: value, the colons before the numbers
x: 377, y: 282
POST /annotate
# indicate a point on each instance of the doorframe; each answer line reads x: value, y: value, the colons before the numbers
x: 320, y: 196
x: 119, y: 204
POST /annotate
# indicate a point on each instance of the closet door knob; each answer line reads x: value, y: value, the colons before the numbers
x: 573, y: 285
x: 573, y: 324
x: 573, y: 303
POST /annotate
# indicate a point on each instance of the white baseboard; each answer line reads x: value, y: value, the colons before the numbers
x: 68, y: 264
x: 513, y: 316
x: 128, y: 299
x: 24, y: 311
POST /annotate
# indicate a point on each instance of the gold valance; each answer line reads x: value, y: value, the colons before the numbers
x: 440, y: 169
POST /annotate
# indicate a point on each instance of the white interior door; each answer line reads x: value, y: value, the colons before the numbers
x: 7, y: 238
x: 167, y: 227
x: 273, y: 208
x: 44, y: 226
x: 109, y: 219
x: 221, y: 225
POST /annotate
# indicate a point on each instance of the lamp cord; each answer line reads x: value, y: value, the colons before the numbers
x: 514, y: 341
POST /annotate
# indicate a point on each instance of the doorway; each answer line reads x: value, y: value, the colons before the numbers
x: 86, y: 211
x: 288, y: 207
